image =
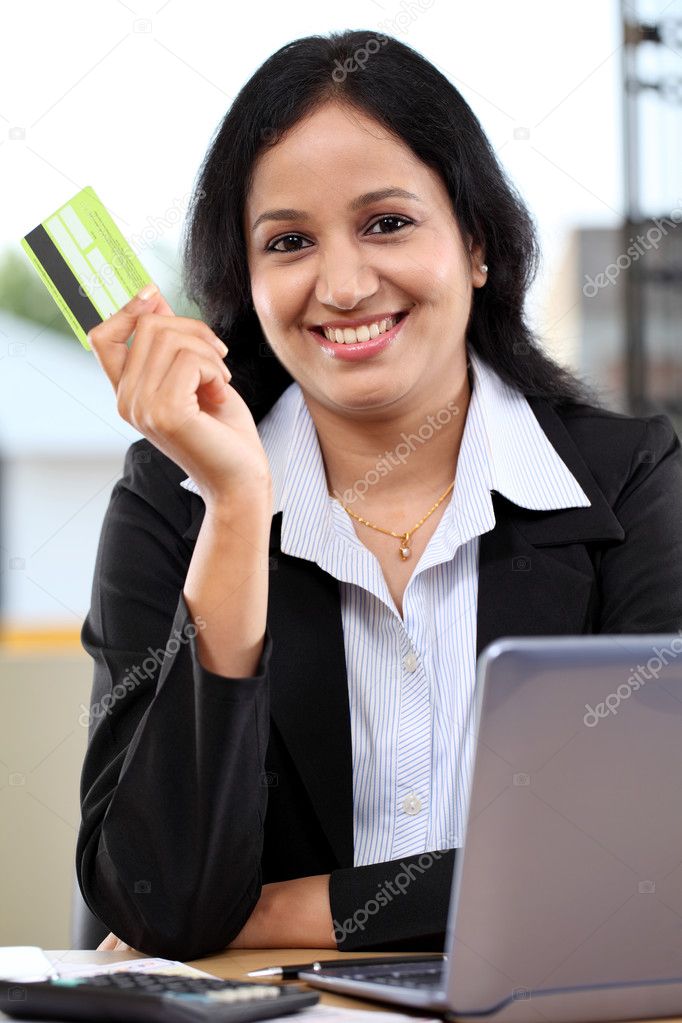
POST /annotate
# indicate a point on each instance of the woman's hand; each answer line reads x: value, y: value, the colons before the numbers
x: 173, y: 386
x: 113, y: 944
x: 290, y: 914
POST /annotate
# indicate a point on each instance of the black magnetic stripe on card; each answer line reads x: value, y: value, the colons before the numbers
x: 63, y: 278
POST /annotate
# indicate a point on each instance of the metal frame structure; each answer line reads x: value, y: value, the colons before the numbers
x: 665, y: 37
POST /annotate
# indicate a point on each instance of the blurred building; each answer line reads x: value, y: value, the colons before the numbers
x: 652, y: 150
x: 591, y: 292
x: 616, y: 306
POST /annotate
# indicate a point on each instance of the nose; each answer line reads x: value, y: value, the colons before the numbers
x: 344, y: 278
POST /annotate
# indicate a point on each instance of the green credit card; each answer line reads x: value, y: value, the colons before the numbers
x: 85, y: 262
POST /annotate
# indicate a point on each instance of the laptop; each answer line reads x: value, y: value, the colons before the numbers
x: 566, y: 899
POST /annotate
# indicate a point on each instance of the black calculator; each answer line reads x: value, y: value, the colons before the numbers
x: 153, y: 997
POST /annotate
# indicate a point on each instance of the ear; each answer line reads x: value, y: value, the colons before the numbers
x: 477, y: 258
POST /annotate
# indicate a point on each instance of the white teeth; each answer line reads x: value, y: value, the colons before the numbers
x: 350, y: 336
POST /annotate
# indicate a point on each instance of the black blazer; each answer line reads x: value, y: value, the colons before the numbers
x: 197, y: 789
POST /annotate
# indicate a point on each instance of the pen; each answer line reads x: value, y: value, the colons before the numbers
x: 291, y: 972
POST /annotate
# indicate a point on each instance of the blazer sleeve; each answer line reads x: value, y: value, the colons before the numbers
x: 640, y: 578
x: 394, y: 906
x: 172, y: 795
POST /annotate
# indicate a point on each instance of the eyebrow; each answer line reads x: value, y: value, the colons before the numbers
x: 366, y: 199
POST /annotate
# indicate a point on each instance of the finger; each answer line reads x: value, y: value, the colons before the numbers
x: 109, y: 943
x: 108, y: 339
x: 154, y: 332
x: 136, y: 391
x: 176, y: 401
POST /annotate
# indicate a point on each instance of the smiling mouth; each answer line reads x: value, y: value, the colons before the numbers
x: 358, y: 335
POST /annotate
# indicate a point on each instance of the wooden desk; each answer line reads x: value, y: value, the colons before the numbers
x: 236, y: 963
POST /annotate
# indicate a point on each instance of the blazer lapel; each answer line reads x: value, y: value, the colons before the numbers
x: 309, y: 688
x: 535, y: 574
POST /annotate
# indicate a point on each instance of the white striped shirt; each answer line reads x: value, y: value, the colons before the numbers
x: 411, y: 679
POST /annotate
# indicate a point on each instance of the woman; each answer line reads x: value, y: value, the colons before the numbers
x: 305, y: 555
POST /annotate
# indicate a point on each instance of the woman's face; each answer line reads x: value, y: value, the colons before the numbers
x: 329, y: 258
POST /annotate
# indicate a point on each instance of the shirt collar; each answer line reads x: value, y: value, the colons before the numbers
x: 503, y: 449
x: 524, y: 466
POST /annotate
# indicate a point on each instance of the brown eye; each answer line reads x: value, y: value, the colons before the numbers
x: 284, y: 238
x: 393, y: 218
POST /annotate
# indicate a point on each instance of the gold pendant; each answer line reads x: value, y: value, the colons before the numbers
x: 404, y: 549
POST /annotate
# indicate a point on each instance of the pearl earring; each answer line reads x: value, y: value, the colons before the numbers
x: 484, y: 267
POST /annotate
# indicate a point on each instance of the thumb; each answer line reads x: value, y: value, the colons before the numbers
x: 109, y: 338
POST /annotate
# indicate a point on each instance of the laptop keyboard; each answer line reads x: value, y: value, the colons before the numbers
x: 423, y: 978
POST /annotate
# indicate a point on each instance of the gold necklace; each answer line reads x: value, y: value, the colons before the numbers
x: 403, y: 537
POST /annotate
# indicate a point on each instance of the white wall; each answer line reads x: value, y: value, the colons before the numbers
x: 42, y: 745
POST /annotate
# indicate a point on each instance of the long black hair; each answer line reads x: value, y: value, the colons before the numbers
x: 391, y: 82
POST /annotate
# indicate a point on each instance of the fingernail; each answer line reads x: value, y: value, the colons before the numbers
x: 147, y: 292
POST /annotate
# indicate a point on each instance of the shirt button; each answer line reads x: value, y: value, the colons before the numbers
x: 412, y: 804
x: 410, y: 661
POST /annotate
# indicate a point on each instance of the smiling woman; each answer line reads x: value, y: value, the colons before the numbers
x: 423, y: 479
x: 381, y: 164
